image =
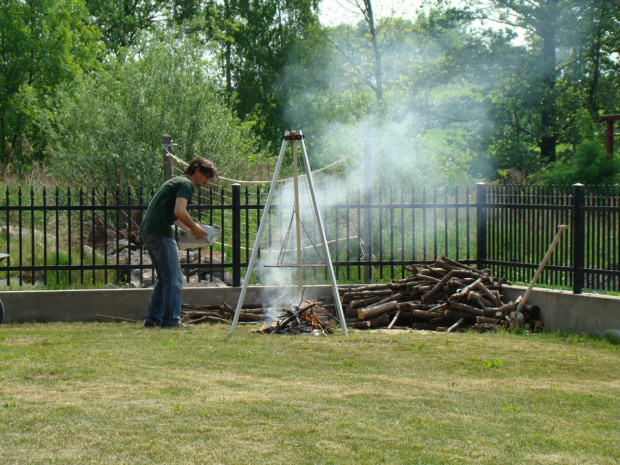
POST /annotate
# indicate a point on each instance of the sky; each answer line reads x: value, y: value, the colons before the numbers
x: 334, y: 12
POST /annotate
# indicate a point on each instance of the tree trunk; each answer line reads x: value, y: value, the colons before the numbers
x: 548, y: 113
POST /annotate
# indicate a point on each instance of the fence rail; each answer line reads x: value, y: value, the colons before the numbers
x: 77, y: 238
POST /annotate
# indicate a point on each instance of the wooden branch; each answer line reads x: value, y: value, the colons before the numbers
x: 208, y: 319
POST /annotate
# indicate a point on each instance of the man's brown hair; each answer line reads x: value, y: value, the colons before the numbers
x: 205, y: 166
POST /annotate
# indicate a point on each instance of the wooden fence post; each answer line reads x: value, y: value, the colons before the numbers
x: 167, y: 143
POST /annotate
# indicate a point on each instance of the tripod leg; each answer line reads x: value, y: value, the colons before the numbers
x: 261, y: 227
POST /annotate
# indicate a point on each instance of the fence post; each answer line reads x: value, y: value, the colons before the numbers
x: 368, y: 186
x: 167, y: 143
x: 236, y: 235
x: 578, y: 239
x: 481, y: 225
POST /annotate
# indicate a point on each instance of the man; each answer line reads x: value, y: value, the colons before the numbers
x: 168, y: 207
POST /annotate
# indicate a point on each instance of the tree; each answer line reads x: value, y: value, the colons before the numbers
x: 122, y: 21
x: 588, y: 163
x: 553, y: 29
x: 108, y: 127
x: 262, y: 36
x: 597, y: 67
x: 365, y: 7
x: 43, y: 43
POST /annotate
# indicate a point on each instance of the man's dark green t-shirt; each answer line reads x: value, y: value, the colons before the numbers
x: 159, y: 216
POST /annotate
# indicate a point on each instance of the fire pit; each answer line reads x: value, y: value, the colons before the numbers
x: 311, y: 318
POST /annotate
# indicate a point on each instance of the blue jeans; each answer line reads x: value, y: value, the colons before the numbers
x: 165, y: 305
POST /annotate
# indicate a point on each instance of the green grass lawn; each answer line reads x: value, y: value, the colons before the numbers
x: 110, y: 393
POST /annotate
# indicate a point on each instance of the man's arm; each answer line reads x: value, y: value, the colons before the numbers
x: 184, y: 221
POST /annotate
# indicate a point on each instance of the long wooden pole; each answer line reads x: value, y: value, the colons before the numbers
x: 561, y: 228
x: 297, y: 213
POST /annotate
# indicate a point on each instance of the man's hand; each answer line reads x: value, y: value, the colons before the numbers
x: 198, y: 232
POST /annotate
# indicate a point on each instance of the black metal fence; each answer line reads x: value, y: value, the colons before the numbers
x: 516, y: 224
x: 78, y: 239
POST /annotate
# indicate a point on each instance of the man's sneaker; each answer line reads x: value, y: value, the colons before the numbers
x: 181, y: 325
x: 150, y: 324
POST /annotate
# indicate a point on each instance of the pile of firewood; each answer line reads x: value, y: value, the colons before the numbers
x: 447, y: 296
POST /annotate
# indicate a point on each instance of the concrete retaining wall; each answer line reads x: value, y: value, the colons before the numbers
x: 586, y: 313
x: 85, y: 305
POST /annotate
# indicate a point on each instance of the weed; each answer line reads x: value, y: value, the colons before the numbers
x: 492, y: 363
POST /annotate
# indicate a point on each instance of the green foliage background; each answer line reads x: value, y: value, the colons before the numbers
x: 471, y: 91
x: 107, y: 128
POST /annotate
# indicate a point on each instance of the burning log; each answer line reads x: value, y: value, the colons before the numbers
x: 308, y: 317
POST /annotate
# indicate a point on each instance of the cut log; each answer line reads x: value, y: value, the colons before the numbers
x: 376, y: 310
x: 475, y: 299
x: 378, y: 322
x: 424, y: 326
x: 466, y: 308
x: 457, y: 314
x: 350, y: 312
x: 394, y: 320
x: 415, y: 306
x: 491, y: 295
x: 389, y: 299
x: 455, y: 325
x: 349, y: 296
x: 426, y: 315
x: 370, y: 287
x: 364, y: 302
x: 447, y: 263
x: 243, y: 316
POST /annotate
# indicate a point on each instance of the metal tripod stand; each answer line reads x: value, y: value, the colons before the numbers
x: 294, y: 137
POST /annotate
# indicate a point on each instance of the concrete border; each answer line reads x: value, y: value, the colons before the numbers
x: 85, y: 305
x: 585, y: 313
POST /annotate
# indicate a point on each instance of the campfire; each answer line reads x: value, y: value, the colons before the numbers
x: 310, y: 317
x: 447, y: 296
x: 314, y: 318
